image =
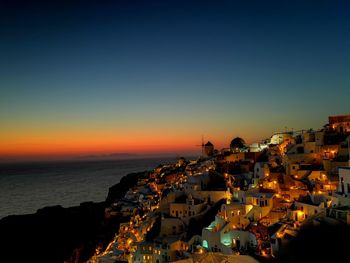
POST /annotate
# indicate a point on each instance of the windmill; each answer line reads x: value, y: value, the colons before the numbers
x: 202, y: 145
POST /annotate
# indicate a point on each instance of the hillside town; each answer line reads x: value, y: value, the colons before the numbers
x: 243, y: 203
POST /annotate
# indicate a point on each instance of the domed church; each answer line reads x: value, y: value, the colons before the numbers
x: 237, y: 144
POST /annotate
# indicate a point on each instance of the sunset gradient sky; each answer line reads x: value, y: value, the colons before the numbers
x: 154, y: 76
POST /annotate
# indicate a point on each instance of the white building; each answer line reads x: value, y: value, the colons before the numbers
x: 144, y: 253
x: 310, y: 206
x: 172, y: 226
x: 261, y: 170
x: 221, y: 236
x: 257, y: 147
x: 165, y: 248
x: 187, y: 209
x: 281, y: 137
x: 262, y: 204
x: 344, y: 180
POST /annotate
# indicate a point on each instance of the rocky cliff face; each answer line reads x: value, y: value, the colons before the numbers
x: 57, y: 234
x: 118, y: 191
x: 50, y: 234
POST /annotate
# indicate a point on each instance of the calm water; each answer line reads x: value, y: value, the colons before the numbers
x: 26, y: 187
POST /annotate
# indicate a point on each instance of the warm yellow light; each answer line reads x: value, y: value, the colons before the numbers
x: 300, y: 213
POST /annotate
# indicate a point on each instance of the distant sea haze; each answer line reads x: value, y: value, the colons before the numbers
x: 26, y: 187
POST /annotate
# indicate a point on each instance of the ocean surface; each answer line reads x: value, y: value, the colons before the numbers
x: 26, y: 187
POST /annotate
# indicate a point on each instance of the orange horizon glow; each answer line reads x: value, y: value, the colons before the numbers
x: 73, y: 139
x: 69, y: 145
x: 32, y: 147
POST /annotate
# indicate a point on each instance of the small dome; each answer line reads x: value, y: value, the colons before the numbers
x: 237, y: 143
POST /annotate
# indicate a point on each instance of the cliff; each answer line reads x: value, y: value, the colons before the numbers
x: 322, y: 243
x: 57, y: 234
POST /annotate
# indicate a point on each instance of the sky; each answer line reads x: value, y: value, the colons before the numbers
x: 97, y: 77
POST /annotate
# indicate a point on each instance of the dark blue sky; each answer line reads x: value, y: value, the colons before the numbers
x: 219, y: 68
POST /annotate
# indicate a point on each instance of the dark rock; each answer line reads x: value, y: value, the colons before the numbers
x: 57, y: 234
x: 324, y: 243
x: 118, y: 191
x: 51, y: 234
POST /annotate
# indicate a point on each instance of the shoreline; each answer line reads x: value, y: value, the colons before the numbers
x: 64, y: 234
x: 28, y: 187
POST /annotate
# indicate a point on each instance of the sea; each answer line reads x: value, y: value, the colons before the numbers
x: 26, y: 187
